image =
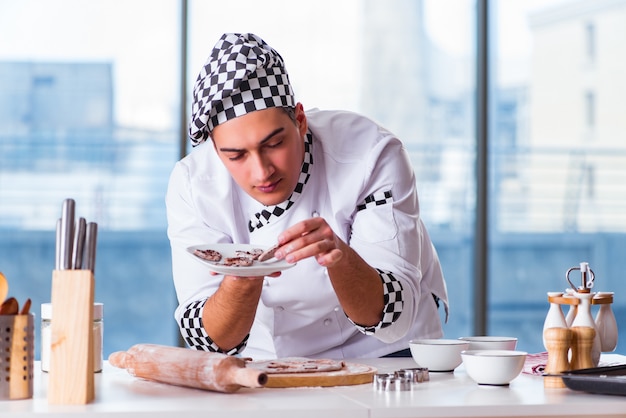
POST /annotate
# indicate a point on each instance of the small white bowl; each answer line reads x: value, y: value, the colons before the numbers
x: 493, y: 367
x: 438, y: 355
x: 491, y: 343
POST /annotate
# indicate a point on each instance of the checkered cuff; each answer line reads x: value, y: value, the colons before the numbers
x: 192, y: 330
x: 393, y: 303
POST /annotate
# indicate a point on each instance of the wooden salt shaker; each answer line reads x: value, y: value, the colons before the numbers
x: 558, y: 341
x: 582, y: 344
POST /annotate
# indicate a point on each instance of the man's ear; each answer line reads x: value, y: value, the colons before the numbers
x: 301, y: 121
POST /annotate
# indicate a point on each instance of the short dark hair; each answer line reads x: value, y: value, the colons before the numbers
x: 291, y: 112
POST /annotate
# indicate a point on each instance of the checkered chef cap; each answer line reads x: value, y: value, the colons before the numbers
x: 243, y: 74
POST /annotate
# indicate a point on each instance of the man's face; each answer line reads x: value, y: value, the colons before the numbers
x: 263, y: 151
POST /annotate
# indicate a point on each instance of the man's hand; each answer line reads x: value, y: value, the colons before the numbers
x: 357, y: 285
x: 312, y: 237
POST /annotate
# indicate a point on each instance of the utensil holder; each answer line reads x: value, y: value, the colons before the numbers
x: 16, y: 356
x: 71, y: 377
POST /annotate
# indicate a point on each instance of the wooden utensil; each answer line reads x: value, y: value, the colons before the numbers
x: 186, y: 367
x: 26, y: 307
x: 4, y: 287
x: 9, y: 307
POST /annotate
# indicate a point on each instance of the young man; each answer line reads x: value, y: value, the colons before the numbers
x: 335, y: 190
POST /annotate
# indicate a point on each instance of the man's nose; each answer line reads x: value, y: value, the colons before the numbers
x: 262, y: 168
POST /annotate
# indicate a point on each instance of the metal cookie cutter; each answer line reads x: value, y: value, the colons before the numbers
x: 415, y: 375
x: 389, y: 382
x: 400, y: 380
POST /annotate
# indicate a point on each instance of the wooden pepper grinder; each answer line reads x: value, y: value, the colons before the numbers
x: 558, y: 341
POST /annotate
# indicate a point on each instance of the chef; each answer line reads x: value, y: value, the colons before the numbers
x: 333, y: 189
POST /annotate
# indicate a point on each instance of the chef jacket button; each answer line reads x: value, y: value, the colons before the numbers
x: 336, y: 309
x: 327, y: 321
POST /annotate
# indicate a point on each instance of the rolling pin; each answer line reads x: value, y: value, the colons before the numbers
x: 187, y: 367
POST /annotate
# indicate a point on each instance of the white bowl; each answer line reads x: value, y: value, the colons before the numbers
x: 493, y: 367
x: 491, y: 343
x: 438, y: 355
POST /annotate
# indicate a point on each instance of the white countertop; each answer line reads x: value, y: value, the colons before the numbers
x: 445, y: 395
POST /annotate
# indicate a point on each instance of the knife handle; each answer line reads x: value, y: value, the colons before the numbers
x: 79, y: 244
x: 67, y: 233
x: 90, y: 246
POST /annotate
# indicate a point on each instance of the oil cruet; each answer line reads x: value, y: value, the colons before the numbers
x: 555, y: 317
x: 583, y: 316
x: 606, y: 325
x: 573, y: 309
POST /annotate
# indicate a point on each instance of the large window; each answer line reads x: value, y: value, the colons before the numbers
x: 90, y: 108
x: 410, y: 66
x: 558, y: 156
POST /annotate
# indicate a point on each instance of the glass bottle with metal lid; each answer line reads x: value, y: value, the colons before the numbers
x: 46, y: 335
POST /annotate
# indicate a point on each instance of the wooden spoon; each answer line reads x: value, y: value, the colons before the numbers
x: 26, y: 307
x: 4, y: 287
x: 9, y: 307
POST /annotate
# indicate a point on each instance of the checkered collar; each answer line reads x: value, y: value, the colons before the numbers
x: 269, y: 213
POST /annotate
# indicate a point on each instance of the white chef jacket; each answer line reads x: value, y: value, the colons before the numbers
x: 298, y: 313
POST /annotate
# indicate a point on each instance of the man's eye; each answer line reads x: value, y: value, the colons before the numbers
x: 236, y: 157
x: 274, y: 144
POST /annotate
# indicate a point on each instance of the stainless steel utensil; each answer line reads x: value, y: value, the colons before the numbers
x: 79, y: 243
x: 415, y: 375
x: 91, y: 236
x: 75, y: 241
x: 67, y: 233
x: 391, y: 382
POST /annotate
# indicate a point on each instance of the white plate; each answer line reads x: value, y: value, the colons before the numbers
x: 229, y: 250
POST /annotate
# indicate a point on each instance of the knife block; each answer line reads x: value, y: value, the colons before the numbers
x: 71, y: 377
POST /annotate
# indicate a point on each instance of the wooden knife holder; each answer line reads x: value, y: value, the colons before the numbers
x: 71, y: 377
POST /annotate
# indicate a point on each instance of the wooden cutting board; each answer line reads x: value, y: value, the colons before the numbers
x: 350, y: 374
